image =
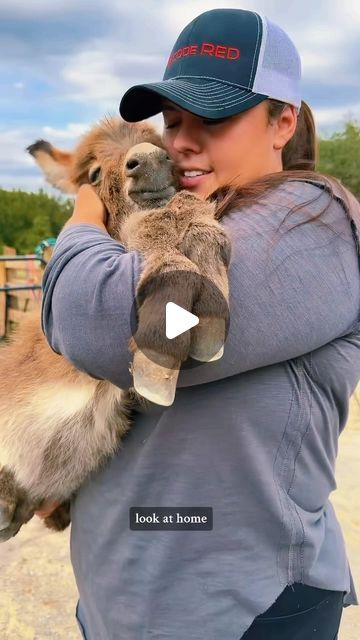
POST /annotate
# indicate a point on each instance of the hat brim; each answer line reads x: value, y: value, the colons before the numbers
x: 207, y: 98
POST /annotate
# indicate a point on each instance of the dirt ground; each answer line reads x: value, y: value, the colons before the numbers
x: 346, y: 501
x: 38, y: 591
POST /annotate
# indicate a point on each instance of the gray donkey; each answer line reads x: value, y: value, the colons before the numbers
x: 48, y: 446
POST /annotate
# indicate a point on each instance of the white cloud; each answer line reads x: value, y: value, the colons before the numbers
x: 71, y: 132
x: 12, y: 148
x: 25, y: 183
x: 24, y: 9
x: 314, y: 63
x: 177, y: 15
x: 346, y: 16
x: 100, y: 73
x: 92, y: 75
x: 325, y: 54
x: 335, y: 116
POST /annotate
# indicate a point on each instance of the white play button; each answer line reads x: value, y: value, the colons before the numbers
x: 178, y: 320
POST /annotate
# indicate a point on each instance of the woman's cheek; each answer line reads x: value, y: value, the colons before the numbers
x: 166, y: 140
x: 226, y: 175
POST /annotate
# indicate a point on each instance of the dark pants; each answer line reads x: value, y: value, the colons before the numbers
x: 300, y: 613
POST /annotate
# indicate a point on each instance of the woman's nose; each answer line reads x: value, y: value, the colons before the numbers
x: 185, y: 140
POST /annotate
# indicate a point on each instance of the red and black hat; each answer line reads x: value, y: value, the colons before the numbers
x: 224, y: 62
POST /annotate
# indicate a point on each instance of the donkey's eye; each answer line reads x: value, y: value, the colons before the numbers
x: 94, y: 175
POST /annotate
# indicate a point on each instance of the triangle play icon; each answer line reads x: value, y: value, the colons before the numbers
x: 178, y: 320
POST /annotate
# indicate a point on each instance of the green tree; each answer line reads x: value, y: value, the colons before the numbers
x: 340, y: 156
x: 28, y: 218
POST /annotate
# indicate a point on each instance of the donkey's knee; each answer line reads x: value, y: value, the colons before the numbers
x: 208, y: 246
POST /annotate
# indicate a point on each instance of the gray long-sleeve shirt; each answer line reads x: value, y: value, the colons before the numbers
x: 253, y: 435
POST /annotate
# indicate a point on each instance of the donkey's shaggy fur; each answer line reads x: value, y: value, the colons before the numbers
x: 48, y: 446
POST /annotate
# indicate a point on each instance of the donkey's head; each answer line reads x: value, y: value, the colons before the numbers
x: 125, y: 162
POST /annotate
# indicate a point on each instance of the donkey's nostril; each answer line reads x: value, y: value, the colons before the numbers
x: 132, y: 164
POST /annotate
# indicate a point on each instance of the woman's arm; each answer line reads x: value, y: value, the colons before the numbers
x: 286, y: 299
x: 88, y: 294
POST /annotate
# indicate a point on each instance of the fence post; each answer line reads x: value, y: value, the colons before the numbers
x: 9, y: 251
x: 2, y: 301
x: 21, y: 281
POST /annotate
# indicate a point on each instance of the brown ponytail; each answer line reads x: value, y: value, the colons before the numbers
x: 301, y: 152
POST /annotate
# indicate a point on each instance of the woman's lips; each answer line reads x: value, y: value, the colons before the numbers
x: 193, y: 181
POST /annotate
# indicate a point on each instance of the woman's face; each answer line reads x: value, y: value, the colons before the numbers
x: 224, y: 152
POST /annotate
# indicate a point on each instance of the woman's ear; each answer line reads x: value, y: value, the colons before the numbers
x: 285, y: 126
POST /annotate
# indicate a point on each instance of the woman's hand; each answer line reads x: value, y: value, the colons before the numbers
x: 88, y: 209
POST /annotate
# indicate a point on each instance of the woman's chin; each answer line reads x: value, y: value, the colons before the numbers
x: 202, y: 189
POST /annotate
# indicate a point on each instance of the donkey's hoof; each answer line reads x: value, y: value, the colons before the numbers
x: 207, y: 339
x: 7, y: 510
x: 9, y: 532
x: 155, y: 376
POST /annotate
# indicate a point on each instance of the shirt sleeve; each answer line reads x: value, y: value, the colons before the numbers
x: 291, y: 291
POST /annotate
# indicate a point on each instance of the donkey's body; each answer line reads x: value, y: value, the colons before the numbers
x: 56, y: 423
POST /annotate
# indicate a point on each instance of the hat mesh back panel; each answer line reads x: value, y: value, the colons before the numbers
x: 279, y: 67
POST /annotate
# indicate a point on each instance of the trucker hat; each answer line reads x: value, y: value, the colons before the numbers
x: 223, y: 62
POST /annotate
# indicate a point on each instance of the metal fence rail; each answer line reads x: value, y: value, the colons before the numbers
x: 20, y: 287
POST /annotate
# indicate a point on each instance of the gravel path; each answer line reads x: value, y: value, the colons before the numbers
x: 39, y: 595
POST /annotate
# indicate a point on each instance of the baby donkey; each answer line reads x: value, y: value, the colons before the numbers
x: 58, y: 424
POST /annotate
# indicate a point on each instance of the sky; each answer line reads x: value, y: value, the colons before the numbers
x: 65, y: 64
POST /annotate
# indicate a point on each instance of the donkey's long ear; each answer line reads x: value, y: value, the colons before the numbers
x: 55, y: 165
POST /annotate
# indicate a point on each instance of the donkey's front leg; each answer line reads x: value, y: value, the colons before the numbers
x: 16, y: 507
x: 157, y: 359
x: 206, y: 244
x: 168, y: 276
x: 180, y: 243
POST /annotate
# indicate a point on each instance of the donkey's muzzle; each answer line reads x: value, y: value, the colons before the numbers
x: 150, y: 175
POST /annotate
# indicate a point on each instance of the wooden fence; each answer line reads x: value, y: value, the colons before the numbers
x: 21, y: 278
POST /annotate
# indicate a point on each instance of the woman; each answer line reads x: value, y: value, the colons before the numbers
x: 253, y: 435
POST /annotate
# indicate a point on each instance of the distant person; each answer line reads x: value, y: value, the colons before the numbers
x: 253, y: 435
